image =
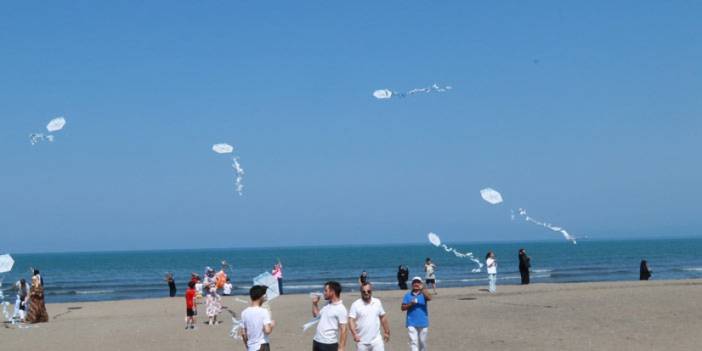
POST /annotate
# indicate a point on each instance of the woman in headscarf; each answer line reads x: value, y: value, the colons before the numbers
x: 37, y: 309
x: 402, y: 276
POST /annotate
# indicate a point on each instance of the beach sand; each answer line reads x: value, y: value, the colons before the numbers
x: 653, y: 315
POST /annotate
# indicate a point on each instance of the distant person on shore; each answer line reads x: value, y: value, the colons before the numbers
x: 524, y: 265
x: 190, y: 305
x: 171, y: 284
x: 209, y: 281
x: 198, y: 288
x: 365, y: 318
x: 402, y: 276
x: 227, y: 289
x: 213, y: 305
x: 37, y: 309
x: 256, y: 321
x: 363, y: 278
x: 415, y: 302
x: 333, y: 317
x: 430, y: 269
x: 278, y: 274
x: 23, y: 289
x: 221, y: 279
x: 644, y: 272
x: 491, y: 264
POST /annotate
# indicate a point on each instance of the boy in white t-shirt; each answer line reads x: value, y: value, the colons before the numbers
x: 256, y: 323
x: 365, y: 317
x: 331, y: 330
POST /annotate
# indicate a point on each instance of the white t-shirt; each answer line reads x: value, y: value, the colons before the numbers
x: 330, y: 316
x: 430, y: 271
x: 491, y: 266
x: 253, y: 319
x: 367, y: 316
x: 227, y: 289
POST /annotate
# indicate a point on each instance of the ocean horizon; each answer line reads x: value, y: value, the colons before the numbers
x: 119, y: 275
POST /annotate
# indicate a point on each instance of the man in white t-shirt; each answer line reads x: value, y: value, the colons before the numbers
x: 256, y: 323
x: 365, y: 317
x: 331, y: 329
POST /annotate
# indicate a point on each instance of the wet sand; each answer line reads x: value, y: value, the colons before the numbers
x: 653, y: 315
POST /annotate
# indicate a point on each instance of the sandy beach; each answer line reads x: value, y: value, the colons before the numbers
x: 653, y: 315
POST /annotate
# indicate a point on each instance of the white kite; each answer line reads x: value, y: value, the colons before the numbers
x: 54, y: 125
x: 436, y: 241
x: 224, y: 148
x: 268, y: 280
x: 491, y: 195
x: 236, y: 327
x: 6, y: 263
x: 383, y: 94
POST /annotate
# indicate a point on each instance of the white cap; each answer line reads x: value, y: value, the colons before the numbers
x: 417, y: 278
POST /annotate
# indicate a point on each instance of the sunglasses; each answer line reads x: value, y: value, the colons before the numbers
x: 367, y: 292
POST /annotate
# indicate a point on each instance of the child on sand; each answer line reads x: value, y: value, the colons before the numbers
x: 190, y: 306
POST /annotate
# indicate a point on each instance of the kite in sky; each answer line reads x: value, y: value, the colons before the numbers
x: 224, y: 148
x: 436, y: 241
x: 493, y: 197
x: 54, y: 125
x: 383, y: 94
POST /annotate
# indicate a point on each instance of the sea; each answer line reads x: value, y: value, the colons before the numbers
x: 104, y: 276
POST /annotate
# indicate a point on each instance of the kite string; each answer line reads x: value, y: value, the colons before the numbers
x: 523, y: 213
x: 468, y: 255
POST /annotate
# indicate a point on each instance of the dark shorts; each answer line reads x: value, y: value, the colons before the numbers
x: 265, y: 347
x: 431, y: 281
x: 189, y: 312
x: 318, y: 346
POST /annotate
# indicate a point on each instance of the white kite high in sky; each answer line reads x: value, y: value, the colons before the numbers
x: 383, y: 94
x: 54, y: 125
x: 224, y: 148
x: 436, y: 241
x: 493, y: 197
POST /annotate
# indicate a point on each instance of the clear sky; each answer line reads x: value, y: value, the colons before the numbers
x: 589, y: 115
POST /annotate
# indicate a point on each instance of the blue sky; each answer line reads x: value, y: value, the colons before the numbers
x: 588, y: 115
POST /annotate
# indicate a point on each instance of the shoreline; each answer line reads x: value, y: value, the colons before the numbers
x: 552, y: 316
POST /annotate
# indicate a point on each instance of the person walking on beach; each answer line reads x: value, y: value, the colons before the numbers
x: 524, y: 265
x: 213, y: 304
x: 402, y: 277
x: 256, y: 322
x: 644, y: 272
x: 363, y: 278
x: 415, y: 303
x: 491, y: 264
x: 430, y: 269
x: 37, y: 309
x: 365, y: 318
x: 190, y: 305
x: 278, y: 274
x: 331, y: 329
x: 227, y: 289
x: 171, y: 284
x: 23, y: 289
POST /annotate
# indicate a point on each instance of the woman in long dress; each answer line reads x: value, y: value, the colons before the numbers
x: 37, y: 309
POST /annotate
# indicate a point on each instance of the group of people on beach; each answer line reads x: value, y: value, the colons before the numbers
x: 211, y: 288
x: 363, y: 320
x: 29, y: 305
